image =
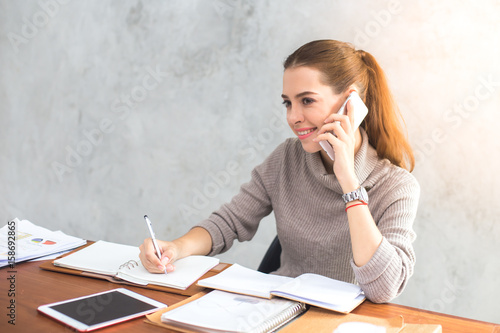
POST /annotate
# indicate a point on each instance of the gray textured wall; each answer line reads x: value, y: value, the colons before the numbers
x: 115, y: 109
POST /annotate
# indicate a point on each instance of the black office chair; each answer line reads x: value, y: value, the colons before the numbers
x: 271, y: 260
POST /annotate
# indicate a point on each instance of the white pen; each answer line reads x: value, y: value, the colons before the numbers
x: 153, y: 238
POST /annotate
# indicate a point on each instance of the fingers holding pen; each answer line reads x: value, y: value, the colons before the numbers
x: 150, y: 259
x: 148, y: 256
x: 167, y: 258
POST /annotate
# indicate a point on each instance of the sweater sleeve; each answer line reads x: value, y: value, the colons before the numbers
x: 386, y: 274
x: 240, y: 218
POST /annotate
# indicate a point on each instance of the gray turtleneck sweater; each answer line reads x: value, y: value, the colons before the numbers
x: 312, y: 223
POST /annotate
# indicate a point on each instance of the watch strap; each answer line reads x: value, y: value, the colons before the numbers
x: 358, y: 194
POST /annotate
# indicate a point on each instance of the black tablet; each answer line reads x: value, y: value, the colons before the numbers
x: 99, y: 310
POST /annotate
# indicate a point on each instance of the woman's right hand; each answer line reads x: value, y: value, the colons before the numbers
x: 196, y: 242
x: 149, y: 259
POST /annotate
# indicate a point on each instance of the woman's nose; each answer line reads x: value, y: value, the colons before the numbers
x: 295, y: 115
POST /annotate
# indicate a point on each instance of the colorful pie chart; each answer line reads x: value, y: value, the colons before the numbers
x: 40, y: 240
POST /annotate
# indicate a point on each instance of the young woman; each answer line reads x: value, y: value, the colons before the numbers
x: 349, y: 219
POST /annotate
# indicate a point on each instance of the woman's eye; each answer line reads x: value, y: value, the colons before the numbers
x: 307, y: 101
x: 286, y: 103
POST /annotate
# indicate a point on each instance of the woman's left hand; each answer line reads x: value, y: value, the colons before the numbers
x: 344, y: 145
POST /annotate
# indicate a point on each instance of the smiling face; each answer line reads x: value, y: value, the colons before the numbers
x: 308, y: 103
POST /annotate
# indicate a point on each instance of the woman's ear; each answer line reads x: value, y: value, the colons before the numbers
x: 352, y: 88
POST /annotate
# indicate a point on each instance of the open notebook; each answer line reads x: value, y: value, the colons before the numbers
x: 308, y: 288
x: 122, y: 261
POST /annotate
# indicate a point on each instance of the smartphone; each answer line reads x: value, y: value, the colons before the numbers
x: 99, y: 310
x: 360, y: 112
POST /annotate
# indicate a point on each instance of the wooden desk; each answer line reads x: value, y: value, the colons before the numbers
x: 35, y: 287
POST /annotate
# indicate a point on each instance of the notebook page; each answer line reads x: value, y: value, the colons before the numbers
x: 187, y: 271
x: 101, y: 257
x: 319, y: 290
x: 244, y: 280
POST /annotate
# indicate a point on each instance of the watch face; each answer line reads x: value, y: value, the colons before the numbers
x: 364, y: 195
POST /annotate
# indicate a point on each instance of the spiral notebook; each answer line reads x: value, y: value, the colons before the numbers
x: 221, y: 311
x: 122, y: 262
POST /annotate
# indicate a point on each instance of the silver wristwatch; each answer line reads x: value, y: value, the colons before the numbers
x: 358, y: 194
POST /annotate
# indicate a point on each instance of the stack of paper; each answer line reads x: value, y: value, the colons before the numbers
x: 22, y: 240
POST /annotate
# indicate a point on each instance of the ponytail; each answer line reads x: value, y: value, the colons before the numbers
x: 384, y: 123
x: 342, y: 66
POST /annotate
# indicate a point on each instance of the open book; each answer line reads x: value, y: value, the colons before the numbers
x: 122, y: 261
x: 308, y: 288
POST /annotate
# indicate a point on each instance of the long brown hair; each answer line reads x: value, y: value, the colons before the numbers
x: 341, y: 66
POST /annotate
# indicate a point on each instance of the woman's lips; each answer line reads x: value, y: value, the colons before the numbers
x: 304, y: 133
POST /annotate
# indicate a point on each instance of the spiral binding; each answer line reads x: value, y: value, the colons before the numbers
x: 129, y: 264
x: 273, y: 324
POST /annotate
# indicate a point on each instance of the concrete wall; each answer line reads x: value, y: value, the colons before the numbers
x: 115, y: 109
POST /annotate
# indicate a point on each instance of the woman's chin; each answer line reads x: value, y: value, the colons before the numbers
x: 311, y: 147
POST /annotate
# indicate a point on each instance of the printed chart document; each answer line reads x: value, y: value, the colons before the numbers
x: 220, y: 311
x: 25, y: 240
x: 308, y: 288
x: 122, y: 261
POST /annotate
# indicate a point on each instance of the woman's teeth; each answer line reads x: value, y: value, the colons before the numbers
x: 305, y: 132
